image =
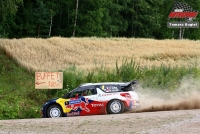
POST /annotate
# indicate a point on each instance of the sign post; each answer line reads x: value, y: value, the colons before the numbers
x: 48, y: 80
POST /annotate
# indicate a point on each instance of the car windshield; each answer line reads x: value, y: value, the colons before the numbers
x: 67, y: 95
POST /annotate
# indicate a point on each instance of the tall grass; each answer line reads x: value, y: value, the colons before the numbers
x: 163, y: 77
x: 88, y: 53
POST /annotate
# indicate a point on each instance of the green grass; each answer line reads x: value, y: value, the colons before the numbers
x: 163, y: 77
x: 19, y: 99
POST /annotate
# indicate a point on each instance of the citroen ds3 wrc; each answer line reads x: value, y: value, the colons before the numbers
x: 94, y: 99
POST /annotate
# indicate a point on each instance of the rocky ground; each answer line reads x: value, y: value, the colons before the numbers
x: 165, y: 122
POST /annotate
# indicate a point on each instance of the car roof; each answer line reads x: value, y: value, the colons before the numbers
x: 105, y: 83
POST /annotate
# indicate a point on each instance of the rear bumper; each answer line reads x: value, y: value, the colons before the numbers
x: 136, y: 105
x: 132, y: 104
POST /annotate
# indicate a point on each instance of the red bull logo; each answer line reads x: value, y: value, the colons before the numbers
x: 79, y: 104
x: 73, y: 114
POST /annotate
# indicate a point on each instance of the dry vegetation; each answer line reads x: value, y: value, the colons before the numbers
x: 87, y: 53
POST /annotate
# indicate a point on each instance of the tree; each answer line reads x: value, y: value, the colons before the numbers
x: 53, y: 9
x: 90, y: 18
x: 145, y: 18
x: 42, y: 16
x: 117, y: 12
x: 8, y: 8
x: 75, y: 20
x: 104, y: 18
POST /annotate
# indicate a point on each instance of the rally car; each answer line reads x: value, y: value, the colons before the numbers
x: 94, y: 99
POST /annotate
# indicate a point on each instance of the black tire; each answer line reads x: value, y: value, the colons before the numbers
x: 54, y: 111
x: 115, y: 107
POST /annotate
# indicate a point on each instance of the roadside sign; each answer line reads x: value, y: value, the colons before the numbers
x: 48, y: 80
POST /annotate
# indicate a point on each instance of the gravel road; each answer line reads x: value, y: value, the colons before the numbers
x: 165, y: 122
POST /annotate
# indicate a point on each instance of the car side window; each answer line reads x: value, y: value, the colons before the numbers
x: 89, y: 91
x: 83, y: 91
x: 110, y: 88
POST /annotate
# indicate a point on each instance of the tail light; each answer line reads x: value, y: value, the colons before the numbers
x: 126, y: 95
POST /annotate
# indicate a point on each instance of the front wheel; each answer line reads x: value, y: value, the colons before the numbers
x: 115, y: 107
x: 54, y: 111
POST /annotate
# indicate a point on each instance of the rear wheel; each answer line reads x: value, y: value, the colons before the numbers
x: 54, y: 111
x: 115, y: 107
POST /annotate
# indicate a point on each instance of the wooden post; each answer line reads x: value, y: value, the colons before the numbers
x: 180, y: 33
x: 75, y: 18
x: 50, y: 25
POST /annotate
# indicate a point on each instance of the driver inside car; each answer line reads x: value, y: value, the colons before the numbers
x: 84, y: 93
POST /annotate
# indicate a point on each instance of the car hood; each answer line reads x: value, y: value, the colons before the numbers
x: 50, y: 101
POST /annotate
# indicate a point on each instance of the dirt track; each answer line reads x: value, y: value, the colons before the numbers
x: 168, y: 122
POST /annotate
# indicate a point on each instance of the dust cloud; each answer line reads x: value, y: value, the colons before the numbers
x: 186, y: 97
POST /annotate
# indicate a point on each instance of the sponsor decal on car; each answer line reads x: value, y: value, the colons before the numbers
x: 79, y: 105
x: 97, y: 105
x: 102, y: 87
x: 108, y: 89
x: 114, y: 89
x: 74, y: 101
x: 109, y: 94
x: 73, y: 113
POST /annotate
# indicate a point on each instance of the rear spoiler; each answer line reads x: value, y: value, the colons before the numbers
x: 130, y: 86
x: 133, y: 82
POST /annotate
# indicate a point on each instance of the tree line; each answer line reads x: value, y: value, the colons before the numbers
x: 87, y: 18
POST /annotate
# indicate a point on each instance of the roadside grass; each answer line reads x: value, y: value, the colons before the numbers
x: 18, y: 98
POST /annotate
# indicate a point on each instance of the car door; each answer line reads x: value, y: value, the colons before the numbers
x: 73, y: 103
x: 89, y: 97
x: 82, y: 100
x: 95, y: 106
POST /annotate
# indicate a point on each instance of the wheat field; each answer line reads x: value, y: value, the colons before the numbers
x: 58, y: 53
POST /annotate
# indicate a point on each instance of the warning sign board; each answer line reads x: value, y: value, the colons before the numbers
x: 48, y: 80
